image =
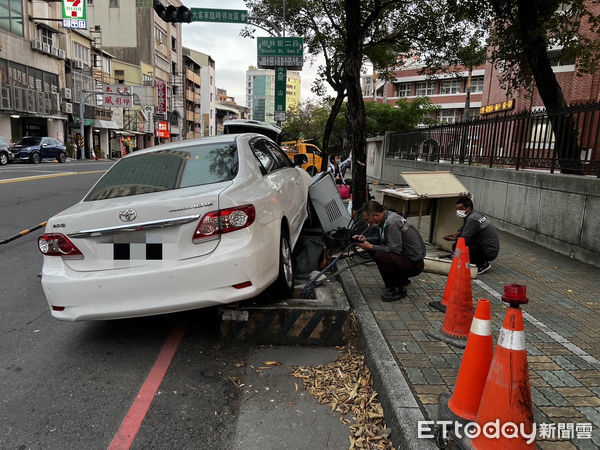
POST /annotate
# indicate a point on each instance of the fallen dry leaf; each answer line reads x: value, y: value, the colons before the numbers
x: 346, y: 385
x: 272, y: 363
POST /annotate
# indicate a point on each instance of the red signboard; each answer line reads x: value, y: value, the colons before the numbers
x: 162, y: 130
x: 161, y: 97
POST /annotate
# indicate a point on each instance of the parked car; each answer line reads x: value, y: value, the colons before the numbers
x: 34, y: 149
x: 180, y: 226
x: 4, y: 153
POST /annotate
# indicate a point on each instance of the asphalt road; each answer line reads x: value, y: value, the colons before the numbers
x: 71, y: 385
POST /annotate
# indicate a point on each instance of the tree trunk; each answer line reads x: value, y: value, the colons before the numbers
x: 356, y: 121
x: 550, y: 91
x: 335, y: 110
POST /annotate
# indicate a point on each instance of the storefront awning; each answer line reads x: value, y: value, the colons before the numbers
x: 129, y: 133
x: 98, y: 123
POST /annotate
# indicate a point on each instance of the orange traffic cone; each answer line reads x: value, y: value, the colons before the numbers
x: 459, y: 314
x: 475, y: 364
x: 460, y: 245
x: 506, y: 411
x: 442, y: 305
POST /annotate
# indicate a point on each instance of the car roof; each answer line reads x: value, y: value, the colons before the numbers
x: 218, y: 139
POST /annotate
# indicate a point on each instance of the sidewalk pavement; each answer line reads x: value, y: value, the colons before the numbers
x: 562, y: 331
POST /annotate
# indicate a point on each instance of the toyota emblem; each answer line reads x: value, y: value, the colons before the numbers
x: 127, y: 215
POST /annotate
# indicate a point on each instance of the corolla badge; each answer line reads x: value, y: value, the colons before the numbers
x: 127, y: 215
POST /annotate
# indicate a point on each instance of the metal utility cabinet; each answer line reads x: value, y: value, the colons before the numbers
x: 431, y: 194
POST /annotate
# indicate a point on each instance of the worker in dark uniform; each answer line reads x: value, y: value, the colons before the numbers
x: 480, y: 235
x: 398, y: 251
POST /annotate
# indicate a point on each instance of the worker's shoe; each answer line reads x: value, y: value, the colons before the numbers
x: 483, y: 268
x: 404, y: 282
x: 393, y: 294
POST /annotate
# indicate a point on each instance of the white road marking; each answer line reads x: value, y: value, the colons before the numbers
x: 545, y: 329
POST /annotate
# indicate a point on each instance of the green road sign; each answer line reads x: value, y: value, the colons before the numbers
x: 279, y: 46
x: 280, y: 90
x: 219, y: 15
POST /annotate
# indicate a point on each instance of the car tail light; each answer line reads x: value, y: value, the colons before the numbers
x: 224, y: 221
x: 57, y: 245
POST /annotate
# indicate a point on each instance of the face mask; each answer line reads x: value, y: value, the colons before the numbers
x: 461, y: 214
x: 337, y: 161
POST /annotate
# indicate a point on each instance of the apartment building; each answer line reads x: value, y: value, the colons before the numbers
x: 193, y: 113
x: 228, y: 109
x: 208, y: 90
x: 447, y: 91
x: 260, y: 93
x: 32, y: 71
x: 137, y: 36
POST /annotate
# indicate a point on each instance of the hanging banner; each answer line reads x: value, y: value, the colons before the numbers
x: 161, y: 97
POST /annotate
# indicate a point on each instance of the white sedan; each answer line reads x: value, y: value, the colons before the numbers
x: 180, y: 226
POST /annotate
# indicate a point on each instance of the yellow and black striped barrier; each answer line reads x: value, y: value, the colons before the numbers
x: 23, y: 233
x: 324, y: 320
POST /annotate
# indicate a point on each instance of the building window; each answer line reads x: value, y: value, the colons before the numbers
x: 46, y: 36
x: 425, y: 88
x: 119, y: 76
x: 11, y: 16
x: 476, y: 85
x: 147, y: 80
x: 173, y: 44
x: 159, y: 35
x: 113, y: 4
x: 450, y: 87
x: 447, y: 116
x: 211, y: 97
x: 211, y: 80
x: 404, y: 90
x: 81, y: 53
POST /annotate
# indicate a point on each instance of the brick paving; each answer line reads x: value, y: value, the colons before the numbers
x: 564, y: 296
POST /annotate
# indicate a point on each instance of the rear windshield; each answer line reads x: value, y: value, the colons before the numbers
x: 165, y: 170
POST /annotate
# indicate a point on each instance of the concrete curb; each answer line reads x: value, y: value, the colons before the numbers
x: 401, y: 410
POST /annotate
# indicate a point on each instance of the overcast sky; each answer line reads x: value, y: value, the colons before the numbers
x: 231, y: 52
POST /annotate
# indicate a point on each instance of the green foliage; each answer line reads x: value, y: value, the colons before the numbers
x: 309, y: 119
x: 70, y: 150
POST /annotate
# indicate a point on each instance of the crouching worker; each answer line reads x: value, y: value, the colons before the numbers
x: 398, y: 251
x: 480, y: 235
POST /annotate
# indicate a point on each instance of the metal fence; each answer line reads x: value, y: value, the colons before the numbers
x: 566, y: 141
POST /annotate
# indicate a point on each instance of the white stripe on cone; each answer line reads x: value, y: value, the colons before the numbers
x: 511, y: 340
x: 481, y: 327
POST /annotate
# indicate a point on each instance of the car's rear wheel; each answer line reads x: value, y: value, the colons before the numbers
x: 35, y: 158
x: 285, y: 282
x: 3, y: 159
x: 62, y: 157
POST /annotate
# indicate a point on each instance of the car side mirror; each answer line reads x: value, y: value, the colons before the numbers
x: 300, y: 159
x: 45, y: 144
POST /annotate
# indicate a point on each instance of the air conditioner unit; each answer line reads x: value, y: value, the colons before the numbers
x: 79, y: 64
x: 5, y: 98
x: 66, y: 93
x: 54, y: 51
x: 46, y: 48
x: 61, y: 54
x: 36, y: 45
x: 67, y: 108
